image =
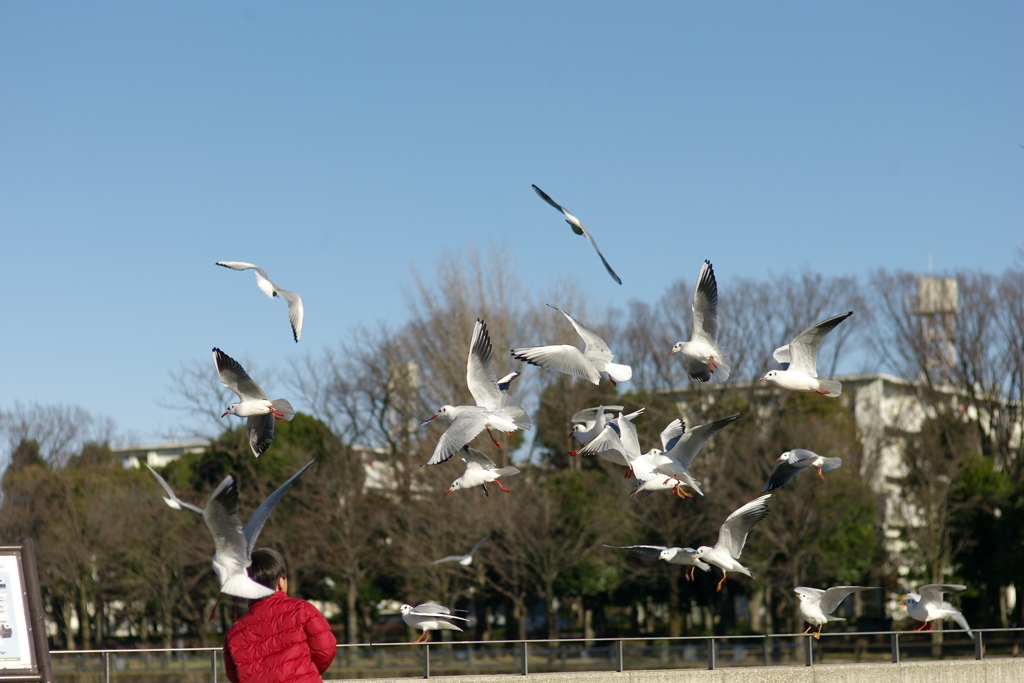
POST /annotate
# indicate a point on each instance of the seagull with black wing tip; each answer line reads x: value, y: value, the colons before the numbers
x: 928, y: 606
x: 260, y: 411
x: 792, y: 463
x: 488, y: 391
x: 591, y: 421
x: 465, y: 560
x: 702, y: 356
x: 588, y: 364
x: 429, y: 616
x: 617, y: 443
x: 467, y: 423
x: 577, y: 227
x: 681, y: 446
x: 480, y: 471
x: 270, y: 289
x: 801, y: 354
x: 234, y: 544
x: 732, y: 536
x: 816, y: 605
x: 684, y: 556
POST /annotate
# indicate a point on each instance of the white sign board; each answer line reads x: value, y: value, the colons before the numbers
x: 16, y: 651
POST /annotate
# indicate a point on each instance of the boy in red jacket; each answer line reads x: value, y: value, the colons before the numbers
x: 279, y: 638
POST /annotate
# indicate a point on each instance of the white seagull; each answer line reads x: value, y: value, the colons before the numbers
x: 928, y: 606
x: 272, y: 290
x: 464, y: 560
x: 732, y: 536
x: 467, y: 423
x: 802, y: 356
x: 587, y: 364
x: 816, y: 605
x: 617, y: 443
x: 701, y: 355
x: 577, y: 227
x: 234, y: 545
x: 254, y: 405
x: 792, y: 463
x: 680, y: 448
x: 430, y: 617
x: 488, y: 391
x: 684, y: 556
x: 480, y: 470
x: 591, y: 421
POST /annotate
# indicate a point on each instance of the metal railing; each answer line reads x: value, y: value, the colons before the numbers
x: 393, y: 660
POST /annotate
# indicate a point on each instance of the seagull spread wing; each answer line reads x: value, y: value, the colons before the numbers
x: 234, y: 377
x: 259, y: 517
x: 705, y: 306
x: 172, y: 500
x: 560, y: 358
x: 733, y: 534
x: 932, y: 592
x: 804, y: 349
x: 642, y: 550
x: 689, y: 444
x: 594, y: 346
x: 480, y: 376
x: 476, y: 460
x: 833, y: 597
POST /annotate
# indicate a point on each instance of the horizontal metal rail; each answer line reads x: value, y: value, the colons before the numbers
x: 599, y: 654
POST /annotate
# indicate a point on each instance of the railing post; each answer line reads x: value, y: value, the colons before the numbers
x: 526, y: 656
x: 106, y: 667
x: 618, y: 663
x: 711, y: 653
x: 809, y: 651
x: 426, y: 660
x: 978, y: 647
x: 213, y: 666
x: 766, y: 652
x: 895, y: 647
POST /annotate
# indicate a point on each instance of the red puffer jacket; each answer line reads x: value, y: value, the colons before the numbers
x: 279, y: 639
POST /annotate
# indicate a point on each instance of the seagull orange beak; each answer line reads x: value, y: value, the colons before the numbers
x: 224, y: 413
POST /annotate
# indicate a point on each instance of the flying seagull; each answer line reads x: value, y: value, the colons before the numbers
x: 702, y: 357
x: 587, y: 364
x: 467, y: 423
x: 254, y: 404
x: 816, y: 605
x: 802, y: 356
x: 480, y: 470
x: 928, y: 606
x: 683, y: 556
x: 488, y: 391
x: 234, y: 544
x: 732, y: 536
x: 272, y: 290
x: 792, y: 463
x: 464, y: 560
x: 430, y: 617
x: 577, y: 227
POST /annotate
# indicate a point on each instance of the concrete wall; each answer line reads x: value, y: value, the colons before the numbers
x: 1010, y: 670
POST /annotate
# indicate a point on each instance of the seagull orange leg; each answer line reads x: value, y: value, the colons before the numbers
x: 719, y: 586
x: 817, y: 634
x: 921, y: 627
x: 498, y: 482
x: 820, y: 475
x: 493, y: 440
x: 690, y: 571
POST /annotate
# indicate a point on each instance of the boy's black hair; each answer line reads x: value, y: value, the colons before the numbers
x: 267, y: 567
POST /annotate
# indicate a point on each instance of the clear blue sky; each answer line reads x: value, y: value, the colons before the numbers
x: 342, y: 144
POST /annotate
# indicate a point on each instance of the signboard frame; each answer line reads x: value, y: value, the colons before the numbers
x: 22, y: 629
